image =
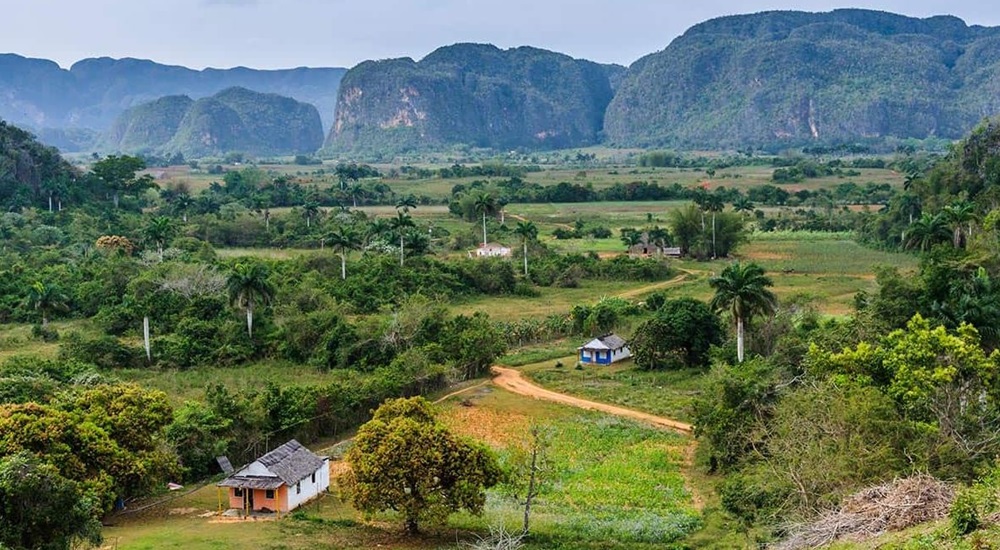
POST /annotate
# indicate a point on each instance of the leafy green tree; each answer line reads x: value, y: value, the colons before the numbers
x: 528, y: 232
x: 404, y: 460
x: 249, y: 287
x: 485, y: 204
x: 959, y: 216
x: 47, y: 299
x: 343, y: 239
x: 742, y: 288
x: 681, y: 333
x: 41, y: 510
x: 118, y: 174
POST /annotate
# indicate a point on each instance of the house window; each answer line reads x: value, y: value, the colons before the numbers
x: 314, y: 477
x: 238, y: 493
x: 298, y: 488
x: 269, y: 494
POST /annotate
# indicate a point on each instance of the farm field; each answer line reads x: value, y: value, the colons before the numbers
x: 581, y: 504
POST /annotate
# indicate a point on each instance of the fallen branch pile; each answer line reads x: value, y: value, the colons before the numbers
x: 875, y: 511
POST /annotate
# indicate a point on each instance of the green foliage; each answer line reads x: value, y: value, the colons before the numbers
x: 40, y: 509
x: 680, y: 334
x: 404, y: 460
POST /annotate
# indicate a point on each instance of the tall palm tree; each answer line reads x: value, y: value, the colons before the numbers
x: 405, y: 204
x: 927, y: 231
x: 46, y: 299
x: 343, y: 239
x: 182, y: 203
x: 310, y: 210
x: 742, y: 288
x: 958, y: 215
x: 159, y: 230
x: 248, y: 287
x: 399, y: 225
x: 659, y: 237
x: 631, y: 238
x: 714, y: 204
x: 743, y: 205
x: 485, y: 204
x: 528, y: 232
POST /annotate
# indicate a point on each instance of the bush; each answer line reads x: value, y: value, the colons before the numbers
x: 106, y: 352
x: 45, y: 334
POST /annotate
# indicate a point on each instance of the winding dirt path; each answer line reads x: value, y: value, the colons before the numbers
x: 513, y: 381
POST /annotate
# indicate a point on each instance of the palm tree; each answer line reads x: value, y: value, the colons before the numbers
x: 911, y: 177
x: 343, y: 239
x: 957, y: 215
x: 927, y: 231
x: 714, y: 204
x: 248, y: 287
x: 528, y: 232
x: 159, y: 230
x: 659, y: 237
x: 310, y: 210
x: 743, y: 205
x: 406, y: 203
x: 377, y: 228
x: 399, y: 225
x: 182, y: 203
x: 46, y: 299
x: 485, y: 204
x: 631, y: 238
x: 357, y: 191
x: 742, y: 288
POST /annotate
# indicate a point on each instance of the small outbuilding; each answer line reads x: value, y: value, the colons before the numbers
x: 280, y: 481
x: 491, y: 250
x: 604, y: 350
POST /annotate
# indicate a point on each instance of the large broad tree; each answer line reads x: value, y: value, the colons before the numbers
x: 680, y: 334
x: 40, y: 509
x: 249, y: 287
x: 118, y: 174
x: 742, y: 288
x: 404, y: 460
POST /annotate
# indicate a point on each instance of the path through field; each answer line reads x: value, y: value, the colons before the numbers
x: 512, y: 380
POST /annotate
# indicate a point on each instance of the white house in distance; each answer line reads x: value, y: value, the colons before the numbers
x: 604, y: 350
x: 280, y: 481
x: 491, y: 250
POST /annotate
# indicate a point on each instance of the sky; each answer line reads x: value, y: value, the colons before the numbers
x: 271, y: 34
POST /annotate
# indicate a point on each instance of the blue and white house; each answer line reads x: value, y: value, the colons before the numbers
x: 604, y: 350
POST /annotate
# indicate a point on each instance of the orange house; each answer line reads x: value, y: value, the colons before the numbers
x: 280, y: 481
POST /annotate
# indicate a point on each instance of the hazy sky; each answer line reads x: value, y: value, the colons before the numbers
x: 341, y: 33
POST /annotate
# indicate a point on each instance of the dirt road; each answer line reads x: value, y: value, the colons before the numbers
x: 512, y: 380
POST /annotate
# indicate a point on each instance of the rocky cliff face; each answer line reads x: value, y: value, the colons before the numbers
x: 235, y: 119
x: 475, y: 95
x: 793, y: 77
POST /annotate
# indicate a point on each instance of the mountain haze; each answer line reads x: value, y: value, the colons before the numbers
x: 472, y: 94
x: 235, y: 119
x: 38, y: 94
x: 795, y: 77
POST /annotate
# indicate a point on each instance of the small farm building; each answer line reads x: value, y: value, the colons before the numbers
x: 604, y: 350
x: 491, y: 250
x: 280, y: 481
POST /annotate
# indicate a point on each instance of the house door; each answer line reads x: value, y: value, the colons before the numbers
x: 249, y: 494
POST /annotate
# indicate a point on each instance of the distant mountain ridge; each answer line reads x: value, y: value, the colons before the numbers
x: 797, y: 77
x: 475, y: 94
x: 38, y: 94
x: 235, y: 119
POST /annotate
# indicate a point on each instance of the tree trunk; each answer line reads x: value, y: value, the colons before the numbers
x: 59, y: 202
x: 531, y: 487
x: 185, y: 217
x: 525, y: 258
x: 343, y: 267
x: 484, y: 229
x: 145, y: 338
x: 714, y: 255
x: 355, y: 201
x: 401, y: 249
x: 739, y: 339
x: 267, y: 220
x: 250, y: 319
x: 957, y: 237
x: 45, y: 320
x: 50, y: 203
x: 411, y: 526
x: 115, y: 198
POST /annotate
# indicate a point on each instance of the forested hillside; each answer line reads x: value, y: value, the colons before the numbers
x: 30, y: 171
x: 233, y: 120
x: 792, y: 77
x: 472, y: 94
